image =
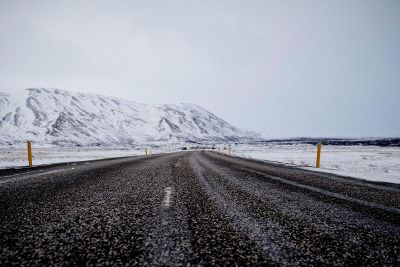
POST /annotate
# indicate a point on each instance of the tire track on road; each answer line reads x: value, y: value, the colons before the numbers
x: 215, y: 239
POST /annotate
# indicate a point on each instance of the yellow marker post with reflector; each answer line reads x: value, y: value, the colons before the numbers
x: 29, y: 143
x: 318, y: 155
x: 145, y: 151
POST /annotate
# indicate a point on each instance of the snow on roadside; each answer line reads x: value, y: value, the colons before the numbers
x: 11, y: 157
x: 366, y: 162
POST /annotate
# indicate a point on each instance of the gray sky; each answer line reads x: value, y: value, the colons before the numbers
x: 282, y: 68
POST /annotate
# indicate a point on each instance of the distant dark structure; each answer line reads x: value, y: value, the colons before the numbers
x: 383, y: 142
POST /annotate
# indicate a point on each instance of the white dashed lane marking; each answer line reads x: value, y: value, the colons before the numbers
x: 167, y: 201
x: 178, y: 164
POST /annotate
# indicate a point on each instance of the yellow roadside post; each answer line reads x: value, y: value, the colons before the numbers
x: 145, y: 151
x: 229, y: 150
x: 29, y: 143
x: 318, y: 155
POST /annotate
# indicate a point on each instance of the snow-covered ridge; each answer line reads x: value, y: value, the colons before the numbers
x: 54, y: 116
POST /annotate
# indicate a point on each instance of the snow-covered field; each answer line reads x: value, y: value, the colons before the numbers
x: 366, y: 162
x: 17, y: 156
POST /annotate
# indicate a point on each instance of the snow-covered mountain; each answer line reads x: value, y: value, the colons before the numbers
x: 54, y: 116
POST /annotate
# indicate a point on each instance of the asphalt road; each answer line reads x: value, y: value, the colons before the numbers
x: 194, y: 208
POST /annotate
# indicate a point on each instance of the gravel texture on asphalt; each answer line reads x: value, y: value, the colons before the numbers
x: 194, y: 208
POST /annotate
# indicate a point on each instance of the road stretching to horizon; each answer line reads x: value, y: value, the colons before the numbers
x: 194, y: 208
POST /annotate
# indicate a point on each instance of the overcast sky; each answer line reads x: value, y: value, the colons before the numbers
x: 282, y: 68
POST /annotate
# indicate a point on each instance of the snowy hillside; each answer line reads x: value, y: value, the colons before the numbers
x: 53, y: 116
